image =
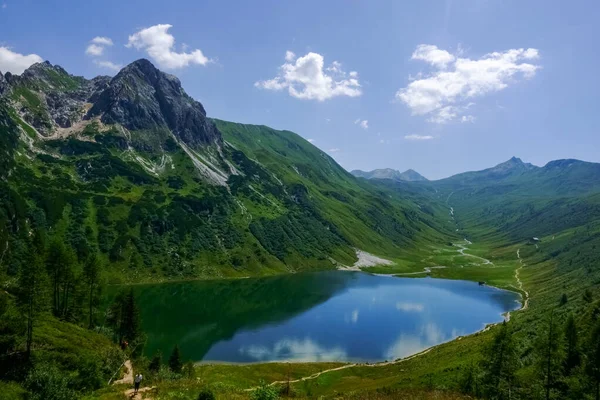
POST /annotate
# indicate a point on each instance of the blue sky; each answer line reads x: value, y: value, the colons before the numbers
x: 445, y: 86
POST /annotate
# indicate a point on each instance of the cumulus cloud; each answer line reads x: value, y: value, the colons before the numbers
x: 442, y: 94
x: 334, y: 150
x: 102, y: 40
x: 16, y: 63
x: 307, y: 78
x: 432, y: 55
x: 108, y: 65
x: 97, y: 45
x: 311, y: 140
x: 418, y: 137
x: 290, y: 56
x: 160, y: 46
x: 362, y: 123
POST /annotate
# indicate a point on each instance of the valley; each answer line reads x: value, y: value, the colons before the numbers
x: 132, y: 224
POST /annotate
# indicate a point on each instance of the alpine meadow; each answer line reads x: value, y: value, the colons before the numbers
x: 150, y: 249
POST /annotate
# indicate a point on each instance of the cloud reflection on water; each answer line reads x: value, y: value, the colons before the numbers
x: 294, y: 350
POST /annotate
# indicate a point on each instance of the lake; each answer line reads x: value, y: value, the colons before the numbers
x: 321, y: 316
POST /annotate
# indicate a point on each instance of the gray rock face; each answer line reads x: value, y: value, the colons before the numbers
x: 140, y: 97
x: 3, y: 84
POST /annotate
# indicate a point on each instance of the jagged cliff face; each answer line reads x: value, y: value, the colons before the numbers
x: 141, y: 97
x: 138, y: 98
x: 146, y: 109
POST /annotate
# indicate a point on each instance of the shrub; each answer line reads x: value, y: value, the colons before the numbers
x: 46, y: 382
x: 265, y: 392
x: 206, y: 394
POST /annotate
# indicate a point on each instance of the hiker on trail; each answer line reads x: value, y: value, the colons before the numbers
x: 137, y: 381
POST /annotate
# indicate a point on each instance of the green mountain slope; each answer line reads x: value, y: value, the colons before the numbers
x: 132, y: 167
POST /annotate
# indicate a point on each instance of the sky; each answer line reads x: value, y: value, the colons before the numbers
x: 441, y: 87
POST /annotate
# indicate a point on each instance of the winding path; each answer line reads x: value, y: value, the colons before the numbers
x: 128, y: 380
x: 520, y: 283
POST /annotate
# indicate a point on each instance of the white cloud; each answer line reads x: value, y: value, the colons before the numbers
x: 311, y: 140
x: 160, y: 44
x: 290, y: 56
x: 102, y: 41
x: 432, y: 55
x: 455, y: 80
x: 97, y: 45
x: 418, y: 137
x: 16, y: 63
x: 108, y: 65
x: 306, y: 78
x: 94, y: 50
x: 467, y: 118
x: 334, y: 150
x: 362, y: 123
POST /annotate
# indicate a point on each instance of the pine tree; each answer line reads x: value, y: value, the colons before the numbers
x: 91, y: 274
x: 593, y: 359
x: 61, y: 262
x: 175, y: 363
x: 156, y: 362
x: 573, y: 353
x: 500, y: 364
x: 550, y: 360
x: 131, y: 329
x: 33, y: 285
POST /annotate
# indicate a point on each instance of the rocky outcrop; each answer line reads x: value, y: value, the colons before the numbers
x: 3, y: 84
x: 142, y: 98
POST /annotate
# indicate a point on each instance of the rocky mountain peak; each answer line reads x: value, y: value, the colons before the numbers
x: 141, y: 97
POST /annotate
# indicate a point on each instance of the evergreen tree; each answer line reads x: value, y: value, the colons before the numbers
x: 124, y: 318
x: 131, y: 329
x: 573, y: 353
x: 550, y: 359
x: 175, y: 363
x: 593, y: 359
x: 499, y: 364
x: 156, y: 362
x: 61, y: 263
x: 33, y: 288
x: 91, y: 274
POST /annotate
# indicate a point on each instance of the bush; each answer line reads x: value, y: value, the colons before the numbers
x: 206, y: 394
x: 265, y: 392
x: 46, y: 382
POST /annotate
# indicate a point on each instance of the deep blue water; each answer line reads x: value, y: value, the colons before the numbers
x: 325, y: 316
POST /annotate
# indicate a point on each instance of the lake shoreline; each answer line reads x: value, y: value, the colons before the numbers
x: 349, y: 364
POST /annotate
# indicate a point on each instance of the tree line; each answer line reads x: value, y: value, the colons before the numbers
x: 566, y: 363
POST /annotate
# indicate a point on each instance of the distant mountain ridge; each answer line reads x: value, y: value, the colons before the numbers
x: 409, y: 175
x: 511, y: 168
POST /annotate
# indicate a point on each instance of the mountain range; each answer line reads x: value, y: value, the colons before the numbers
x: 132, y: 167
x: 387, y: 173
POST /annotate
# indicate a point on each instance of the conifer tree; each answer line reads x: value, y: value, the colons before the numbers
x: 33, y: 286
x: 573, y: 352
x: 175, y: 363
x: 91, y: 274
x: 500, y: 364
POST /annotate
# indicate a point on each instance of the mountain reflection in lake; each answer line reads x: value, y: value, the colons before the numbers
x: 323, y: 316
